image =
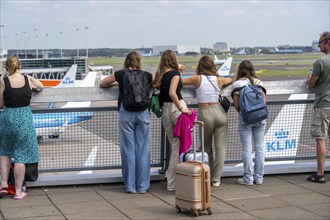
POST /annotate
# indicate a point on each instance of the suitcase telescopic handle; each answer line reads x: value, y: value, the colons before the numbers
x: 201, y: 125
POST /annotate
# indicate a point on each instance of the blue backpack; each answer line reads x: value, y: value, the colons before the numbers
x: 252, y: 104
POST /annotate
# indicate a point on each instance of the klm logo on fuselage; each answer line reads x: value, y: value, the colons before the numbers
x: 282, y: 142
x: 68, y: 81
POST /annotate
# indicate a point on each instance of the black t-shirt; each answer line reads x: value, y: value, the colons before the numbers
x: 119, y: 77
x: 165, y: 86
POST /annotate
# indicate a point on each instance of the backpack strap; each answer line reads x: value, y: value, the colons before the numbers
x: 236, y: 90
x: 262, y: 88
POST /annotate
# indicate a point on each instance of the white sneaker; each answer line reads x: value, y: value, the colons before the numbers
x: 215, y: 183
x: 259, y: 182
x: 243, y: 182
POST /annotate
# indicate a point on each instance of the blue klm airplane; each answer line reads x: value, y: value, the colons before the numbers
x: 53, y: 124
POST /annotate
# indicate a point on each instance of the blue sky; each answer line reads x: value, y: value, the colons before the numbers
x: 132, y: 24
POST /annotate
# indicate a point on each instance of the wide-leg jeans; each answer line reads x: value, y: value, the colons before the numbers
x: 135, y: 149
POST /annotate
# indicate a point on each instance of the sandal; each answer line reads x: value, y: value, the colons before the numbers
x: 316, y: 178
x: 3, y: 191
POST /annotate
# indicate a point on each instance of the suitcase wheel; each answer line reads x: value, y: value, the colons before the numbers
x: 178, y: 210
x: 209, y: 211
x: 196, y: 212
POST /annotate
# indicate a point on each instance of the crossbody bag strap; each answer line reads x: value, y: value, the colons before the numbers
x: 219, y: 90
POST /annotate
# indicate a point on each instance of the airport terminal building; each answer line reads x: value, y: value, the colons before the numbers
x: 179, y: 49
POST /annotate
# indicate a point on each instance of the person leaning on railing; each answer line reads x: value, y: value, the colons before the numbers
x: 18, y: 138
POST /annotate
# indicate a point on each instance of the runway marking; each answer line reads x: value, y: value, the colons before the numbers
x: 90, y: 161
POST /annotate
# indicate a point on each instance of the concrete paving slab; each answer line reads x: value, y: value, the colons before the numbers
x: 73, y: 197
x: 53, y: 217
x: 281, y: 189
x: 304, y: 198
x: 9, y: 202
x: 323, y: 188
x: 82, y: 207
x: 135, y: 202
x: 97, y: 215
x: 156, y: 212
x: 256, y: 203
x: 268, y: 180
x: 66, y: 189
x: 219, y: 207
x: 119, y: 194
x: 228, y: 216
x: 318, y: 209
x: 237, y: 193
x: 285, y: 213
x: 30, y: 211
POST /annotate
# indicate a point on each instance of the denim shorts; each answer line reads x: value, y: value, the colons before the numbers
x: 320, y: 123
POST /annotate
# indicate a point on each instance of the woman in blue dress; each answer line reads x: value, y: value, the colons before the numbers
x: 17, y: 133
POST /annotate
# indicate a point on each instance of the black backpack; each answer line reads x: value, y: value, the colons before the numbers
x: 136, y: 96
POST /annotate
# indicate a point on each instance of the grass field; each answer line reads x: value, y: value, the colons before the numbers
x: 266, y: 65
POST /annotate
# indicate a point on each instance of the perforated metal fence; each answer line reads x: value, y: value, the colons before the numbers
x: 93, y: 144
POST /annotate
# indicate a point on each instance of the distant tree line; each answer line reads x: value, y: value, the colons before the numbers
x: 122, y: 52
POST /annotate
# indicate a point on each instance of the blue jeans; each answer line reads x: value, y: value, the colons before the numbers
x: 248, y: 133
x: 135, y: 149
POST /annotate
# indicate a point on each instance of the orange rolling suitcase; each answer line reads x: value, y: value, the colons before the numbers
x: 193, y: 185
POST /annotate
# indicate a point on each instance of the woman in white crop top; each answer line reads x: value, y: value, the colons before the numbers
x: 207, y: 84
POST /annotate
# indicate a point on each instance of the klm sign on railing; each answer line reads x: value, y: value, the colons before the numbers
x: 282, y: 142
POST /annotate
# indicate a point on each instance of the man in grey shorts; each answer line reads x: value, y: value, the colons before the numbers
x: 319, y: 79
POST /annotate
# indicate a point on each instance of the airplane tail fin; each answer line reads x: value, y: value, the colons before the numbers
x: 69, y: 78
x: 276, y: 49
x: 89, y: 80
x: 225, y: 68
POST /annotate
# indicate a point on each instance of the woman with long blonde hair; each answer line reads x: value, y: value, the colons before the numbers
x: 168, y: 81
x: 18, y: 138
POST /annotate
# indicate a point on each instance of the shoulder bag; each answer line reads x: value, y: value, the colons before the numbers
x: 224, y: 101
x: 155, y: 104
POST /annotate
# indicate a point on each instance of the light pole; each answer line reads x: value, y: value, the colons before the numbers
x: 37, y: 56
x: 35, y: 29
x: 16, y: 44
x: 28, y: 45
x: 1, y: 26
x: 47, y: 44
x: 77, y: 29
x: 61, y: 43
x: 86, y: 28
x: 25, y: 44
